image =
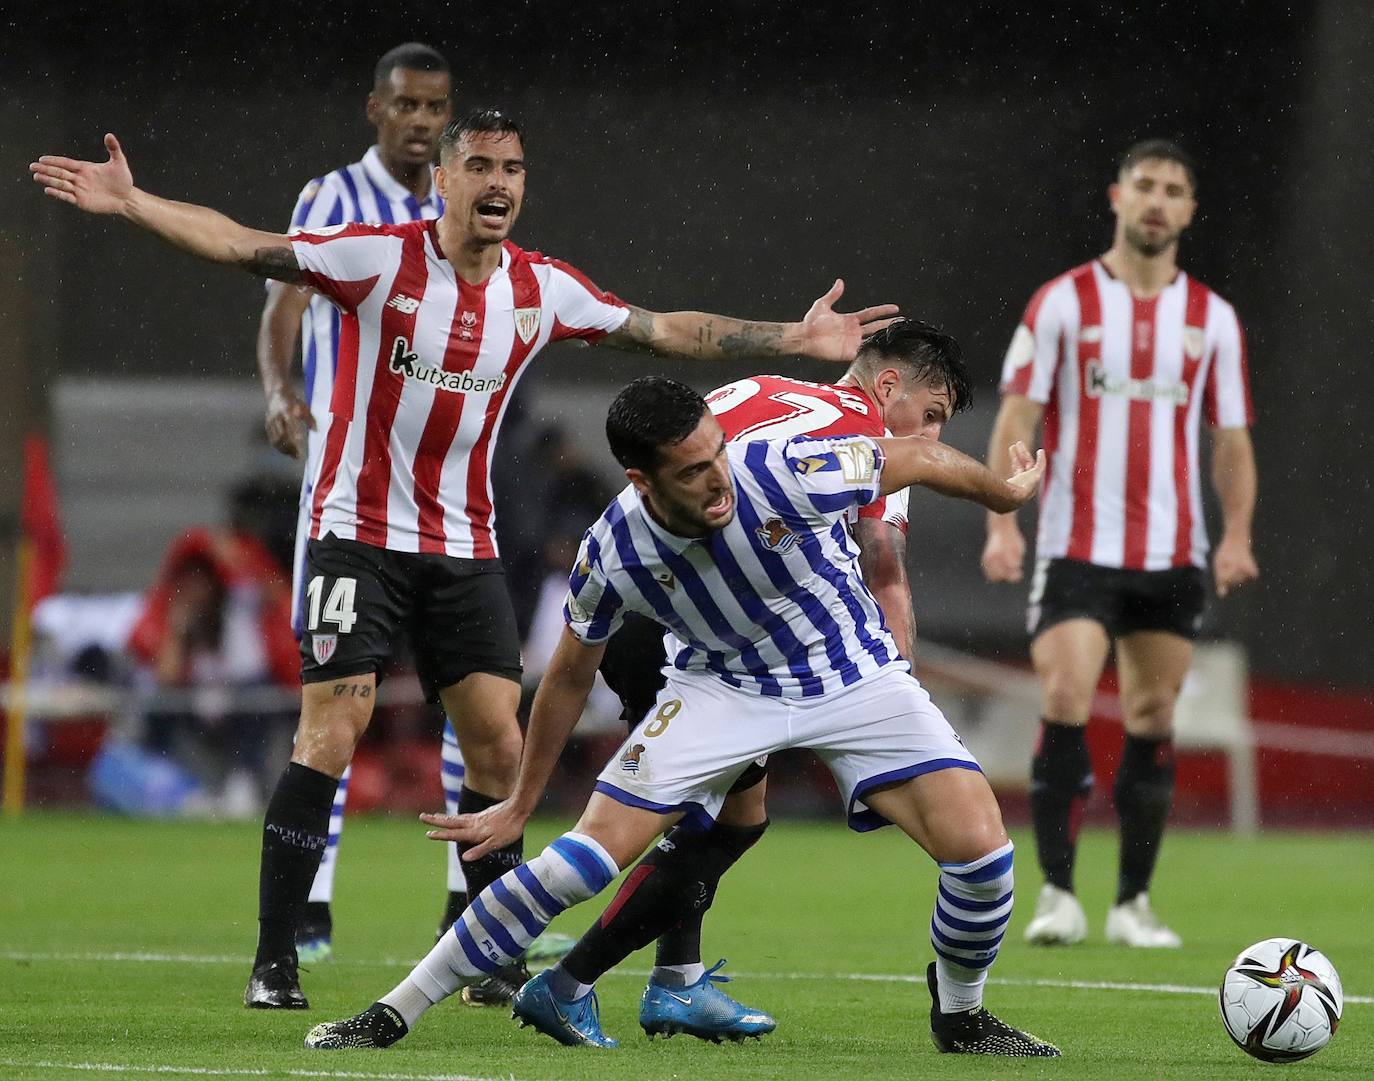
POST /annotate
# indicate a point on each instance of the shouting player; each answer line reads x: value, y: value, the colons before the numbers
x: 1122, y: 357
x: 438, y: 321
x: 908, y: 379
x: 739, y: 550
x: 409, y: 105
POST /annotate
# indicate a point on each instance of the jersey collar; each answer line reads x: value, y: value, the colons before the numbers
x: 671, y: 541
x: 389, y: 186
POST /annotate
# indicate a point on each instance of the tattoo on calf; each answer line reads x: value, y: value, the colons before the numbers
x: 279, y: 263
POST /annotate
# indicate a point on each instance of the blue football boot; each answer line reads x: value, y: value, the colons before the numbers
x: 700, y: 1010
x: 575, y: 1023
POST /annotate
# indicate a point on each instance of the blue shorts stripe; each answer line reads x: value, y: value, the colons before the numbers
x: 480, y: 961
x: 693, y: 813
x: 586, y: 862
x: 495, y: 928
x: 516, y: 908
x: 536, y: 889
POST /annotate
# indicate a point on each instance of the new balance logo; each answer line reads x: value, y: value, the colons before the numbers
x: 404, y: 361
x: 404, y: 304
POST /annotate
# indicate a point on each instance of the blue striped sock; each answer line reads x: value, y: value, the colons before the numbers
x: 451, y: 773
x: 972, y: 909
x: 322, y: 888
x: 510, y: 914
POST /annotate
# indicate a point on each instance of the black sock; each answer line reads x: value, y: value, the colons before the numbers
x: 481, y: 873
x: 1061, y: 781
x: 295, y: 831
x: 315, y: 915
x: 1143, y: 791
x: 454, y: 907
x: 666, y: 895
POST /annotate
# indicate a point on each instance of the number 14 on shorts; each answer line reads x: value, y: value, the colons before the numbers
x: 339, y: 606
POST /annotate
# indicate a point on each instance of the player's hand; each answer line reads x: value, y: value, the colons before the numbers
x: 487, y: 830
x: 1233, y: 564
x: 1004, y: 554
x: 1026, y: 471
x: 288, y: 416
x: 96, y: 187
x: 831, y: 335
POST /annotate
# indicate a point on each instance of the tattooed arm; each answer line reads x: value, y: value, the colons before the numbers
x: 823, y: 333
x: 108, y: 188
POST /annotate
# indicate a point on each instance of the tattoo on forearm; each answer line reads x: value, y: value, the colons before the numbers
x: 753, y: 339
x: 279, y: 263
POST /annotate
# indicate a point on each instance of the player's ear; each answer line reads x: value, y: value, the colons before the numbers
x: 441, y: 181
x: 1113, y: 194
x: 374, y: 108
x: 639, y: 479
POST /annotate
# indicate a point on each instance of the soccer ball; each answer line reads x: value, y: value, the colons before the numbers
x: 1281, y: 1000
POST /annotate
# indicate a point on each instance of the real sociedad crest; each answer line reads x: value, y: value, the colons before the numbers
x: 323, y: 646
x: 527, y: 323
x: 775, y: 536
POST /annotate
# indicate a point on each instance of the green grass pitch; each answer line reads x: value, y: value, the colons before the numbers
x: 124, y: 949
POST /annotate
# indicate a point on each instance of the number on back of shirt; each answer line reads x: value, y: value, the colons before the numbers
x: 339, y: 606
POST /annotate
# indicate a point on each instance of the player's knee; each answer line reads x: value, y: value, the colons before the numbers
x: 1151, y: 715
x: 1065, y: 698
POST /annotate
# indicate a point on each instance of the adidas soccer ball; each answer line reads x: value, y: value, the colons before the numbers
x: 1281, y: 1000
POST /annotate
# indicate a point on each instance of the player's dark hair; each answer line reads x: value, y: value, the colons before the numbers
x: 1159, y: 150
x: 926, y: 355
x: 485, y: 121
x: 413, y: 56
x: 649, y: 414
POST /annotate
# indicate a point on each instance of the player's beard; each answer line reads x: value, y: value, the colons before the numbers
x: 1147, y: 245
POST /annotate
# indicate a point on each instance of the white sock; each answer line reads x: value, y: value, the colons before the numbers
x: 451, y: 773
x: 678, y: 975
x: 322, y: 888
x: 972, y: 910
x: 510, y: 914
x: 407, y: 999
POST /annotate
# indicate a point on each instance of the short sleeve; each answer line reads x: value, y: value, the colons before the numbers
x: 891, y: 508
x: 593, y: 609
x: 1033, y: 356
x: 580, y: 309
x: 832, y: 473
x: 1226, y: 396
x: 343, y: 262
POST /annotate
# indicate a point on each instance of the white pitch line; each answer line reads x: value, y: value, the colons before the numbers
x: 856, y: 977
x: 210, y: 1071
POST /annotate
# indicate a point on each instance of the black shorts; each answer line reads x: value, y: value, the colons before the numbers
x: 632, y: 666
x: 1123, y: 601
x: 359, y: 599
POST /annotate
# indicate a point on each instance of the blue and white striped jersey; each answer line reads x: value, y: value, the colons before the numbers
x: 361, y: 192
x: 774, y: 602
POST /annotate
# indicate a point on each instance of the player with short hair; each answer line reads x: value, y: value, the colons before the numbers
x: 739, y: 549
x: 439, y: 320
x: 908, y: 379
x: 1122, y: 358
x: 408, y: 105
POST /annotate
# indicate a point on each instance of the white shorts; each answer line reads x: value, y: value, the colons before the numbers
x: 702, y: 734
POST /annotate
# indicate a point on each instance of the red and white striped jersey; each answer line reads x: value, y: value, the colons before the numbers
x: 1124, y: 382
x: 426, y: 367
x: 773, y: 407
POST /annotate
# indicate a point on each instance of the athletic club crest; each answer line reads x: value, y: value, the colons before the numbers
x: 527, y: 323
x: 1194, y: 339
x: 629, y: 761
x: 323, y: 646
x: 775, y: 536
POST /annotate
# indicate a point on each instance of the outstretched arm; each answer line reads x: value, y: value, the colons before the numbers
x: 823, y: 334
x: 1004, y: 553
x: 108, y: 188
x: 558, y: 705
x: 941, y: 468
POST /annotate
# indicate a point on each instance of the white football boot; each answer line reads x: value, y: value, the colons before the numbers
x: 1135, y: 924
x: 1059, y: 919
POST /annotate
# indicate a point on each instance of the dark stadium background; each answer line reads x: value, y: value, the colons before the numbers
x: 736, y: 157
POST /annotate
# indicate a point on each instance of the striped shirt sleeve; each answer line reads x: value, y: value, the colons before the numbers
x: 593, y: 609
x: 343, y: 262
x: 1034, y: 353
x: 1226, y: 397
x: 580, y: 309
x: 832, y: 473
